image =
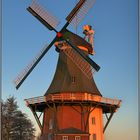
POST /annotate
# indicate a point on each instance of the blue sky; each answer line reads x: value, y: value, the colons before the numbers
x: 116, y: 45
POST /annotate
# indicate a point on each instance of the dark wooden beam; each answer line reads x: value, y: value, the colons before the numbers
x: 108, y: 120
x: 36, y: 117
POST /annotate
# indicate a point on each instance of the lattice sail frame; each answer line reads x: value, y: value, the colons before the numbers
x: 45, y: 14
x: 77, y: 18
x: 17, y: 80
x: 80, y: 62
x: 85, y: 67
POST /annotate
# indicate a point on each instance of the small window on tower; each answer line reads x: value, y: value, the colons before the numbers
x: 73, y: 79
x: 50, y: 136
x: 51, y: 124
x: 93, y: 120
x: 77, y: 138
x: 94, y: 136
x: 64, y: 137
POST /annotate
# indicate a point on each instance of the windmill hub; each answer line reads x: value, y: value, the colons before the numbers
x: 59, y: 35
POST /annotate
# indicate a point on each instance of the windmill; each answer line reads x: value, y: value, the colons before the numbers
x: 72, y: 107
x: 64, y: 34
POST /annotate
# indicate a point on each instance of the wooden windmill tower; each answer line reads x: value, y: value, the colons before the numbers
x: 72, y: 107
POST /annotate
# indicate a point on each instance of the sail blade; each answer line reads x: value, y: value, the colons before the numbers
x: 43, y: 15
x: 86, y: 58
x: 80, y: 62
x: 79, y: 12
x: 24, y: 74
x: 75, y: 10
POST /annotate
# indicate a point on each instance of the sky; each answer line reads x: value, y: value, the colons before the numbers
x: 116, y: 45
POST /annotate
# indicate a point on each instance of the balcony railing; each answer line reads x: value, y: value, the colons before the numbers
x: 72, y: 97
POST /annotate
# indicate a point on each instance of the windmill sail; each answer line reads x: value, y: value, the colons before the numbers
x: 80, y: 10
x: 80, y: 62
x: 77, y: 59
x: 24, y: 74
x: 85, y: 57
x: 43, y: 15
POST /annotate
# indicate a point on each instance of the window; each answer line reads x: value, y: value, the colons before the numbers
x: 94, y: 136
x: 50, y: 136
x: 51, y: 123
x: 73, y: 79
x: 77, y: 138
x: 93, y: 120
x: 65, y: 138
